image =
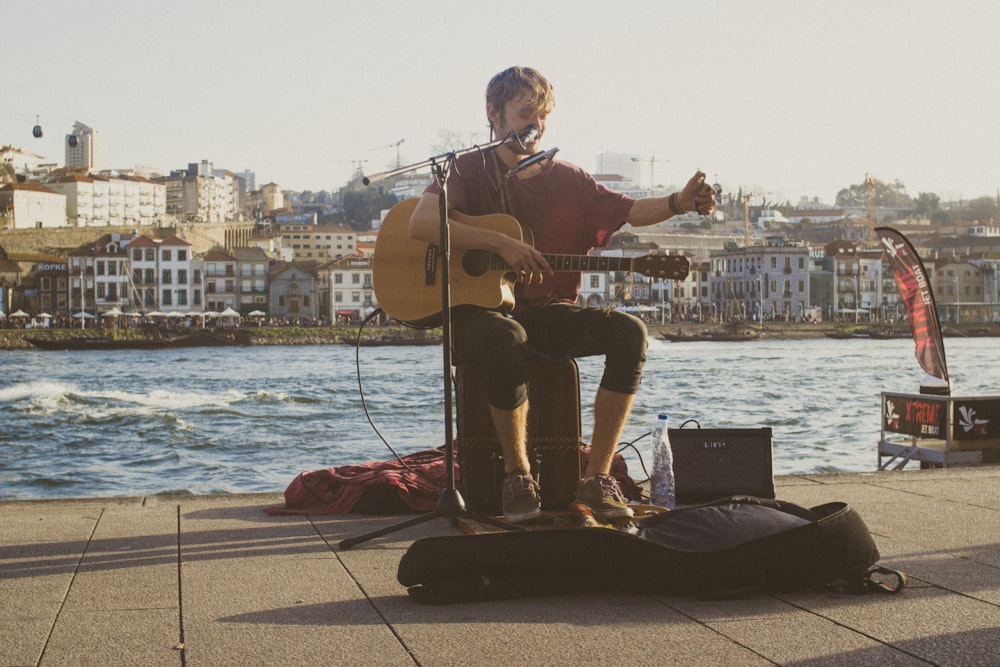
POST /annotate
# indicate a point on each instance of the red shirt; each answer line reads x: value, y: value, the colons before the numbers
x: 565, y: 209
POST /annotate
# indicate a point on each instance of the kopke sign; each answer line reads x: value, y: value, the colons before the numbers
x: 972, y: 419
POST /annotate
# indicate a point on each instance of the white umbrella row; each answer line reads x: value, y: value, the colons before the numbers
x: 115, y: 312
x: 228, y: 312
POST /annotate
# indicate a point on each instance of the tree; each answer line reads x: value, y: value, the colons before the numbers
x: 451, y: 140
x: 982, y: 209
x: 310, y: 197
x: 941, y: 218
x: 363, y: 206
x: 928, y: 204
x: 886, y: 195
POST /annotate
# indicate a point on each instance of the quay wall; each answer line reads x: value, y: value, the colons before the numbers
x: 61, y: 240
x: 14, y: 339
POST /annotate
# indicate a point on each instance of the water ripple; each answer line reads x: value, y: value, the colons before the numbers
x: 244, y: 420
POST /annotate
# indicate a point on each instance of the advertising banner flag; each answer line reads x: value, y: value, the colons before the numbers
x: 915, y: 290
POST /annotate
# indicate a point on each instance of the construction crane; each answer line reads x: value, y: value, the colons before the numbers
x: 356, y: 168
x: 746, y: 221
x: 746, y: 216
x: 396, y: 146
x: 870, y: 183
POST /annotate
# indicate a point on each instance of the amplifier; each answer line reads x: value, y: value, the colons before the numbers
x: 711, y: 463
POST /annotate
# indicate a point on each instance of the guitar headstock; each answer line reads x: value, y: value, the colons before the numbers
x: 668, y: 267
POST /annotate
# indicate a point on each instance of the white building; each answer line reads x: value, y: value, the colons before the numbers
x: 22, y: 162
x: 984, y: 230
x: 111, y: 200
x: 99, y: 279
x: 770, y: 217
x: 165, y: 273
x: 31, y: 206
x: 349, y: 281
x: 79, y: 193
x: 198, y: 195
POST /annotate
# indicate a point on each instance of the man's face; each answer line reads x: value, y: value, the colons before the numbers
x: 517, y: 115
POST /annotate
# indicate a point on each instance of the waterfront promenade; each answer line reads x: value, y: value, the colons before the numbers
x: 212, y: 580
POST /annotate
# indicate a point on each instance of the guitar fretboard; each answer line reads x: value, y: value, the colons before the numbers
x: 572, y: 263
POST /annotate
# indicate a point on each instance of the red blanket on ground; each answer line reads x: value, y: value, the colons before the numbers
x: 391, y: 487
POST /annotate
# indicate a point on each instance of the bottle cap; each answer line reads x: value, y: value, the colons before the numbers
x: 663, y: 415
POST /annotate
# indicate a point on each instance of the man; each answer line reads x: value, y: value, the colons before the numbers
x: 566, y: 212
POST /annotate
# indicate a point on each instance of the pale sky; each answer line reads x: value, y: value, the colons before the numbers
x: 783, y: 98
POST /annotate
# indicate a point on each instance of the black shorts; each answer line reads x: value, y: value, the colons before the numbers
x: 502, y: 344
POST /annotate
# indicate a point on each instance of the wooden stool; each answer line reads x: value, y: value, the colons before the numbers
x: 554, y: 442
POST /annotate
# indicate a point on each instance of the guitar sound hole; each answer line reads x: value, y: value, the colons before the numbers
x: 476, y: 262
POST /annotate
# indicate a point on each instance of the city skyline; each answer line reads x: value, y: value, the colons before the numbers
x: 784, y: 99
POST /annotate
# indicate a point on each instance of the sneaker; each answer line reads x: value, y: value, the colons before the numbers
x: 520, y: 498
x: 604, y: 496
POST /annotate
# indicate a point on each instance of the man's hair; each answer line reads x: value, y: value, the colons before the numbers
x: 513, y: 81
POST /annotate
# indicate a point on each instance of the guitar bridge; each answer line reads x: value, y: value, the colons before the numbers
x: 430, y: 265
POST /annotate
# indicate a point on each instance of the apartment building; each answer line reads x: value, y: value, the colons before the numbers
x: 759, y: 282
x: 82, y: 147
x: 31, y: 206
x: 252, y: 280
x: 198, y: 194
x: 166, y: 275
x: 98, y: 277
x: 220, y: 280
x: 318, y: 243
x: 348, y: 287
x: 97, y: 200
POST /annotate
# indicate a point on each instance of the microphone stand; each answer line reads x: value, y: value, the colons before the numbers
x: 450, y: 504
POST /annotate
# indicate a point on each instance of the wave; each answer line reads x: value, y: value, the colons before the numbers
x: 61, y: 397
x: 41, y: 389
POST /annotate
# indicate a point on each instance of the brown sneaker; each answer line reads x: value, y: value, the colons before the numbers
x: 604, y: 496
x: 520, y: 498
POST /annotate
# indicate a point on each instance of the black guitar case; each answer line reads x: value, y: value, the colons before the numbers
x: 730, y: 547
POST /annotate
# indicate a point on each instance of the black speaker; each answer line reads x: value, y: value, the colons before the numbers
x: 554, y: 440
x: 712, y: 463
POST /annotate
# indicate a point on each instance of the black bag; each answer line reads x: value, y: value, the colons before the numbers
x: 730, y: 547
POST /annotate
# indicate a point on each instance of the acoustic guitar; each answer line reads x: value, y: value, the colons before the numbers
x: 407, y: 272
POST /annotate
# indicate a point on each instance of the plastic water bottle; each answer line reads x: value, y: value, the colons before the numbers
x: 662, y: 491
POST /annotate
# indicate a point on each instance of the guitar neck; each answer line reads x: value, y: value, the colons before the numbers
x: 574, y: 263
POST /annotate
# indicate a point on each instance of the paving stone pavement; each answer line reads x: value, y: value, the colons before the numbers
x: 213, y: 580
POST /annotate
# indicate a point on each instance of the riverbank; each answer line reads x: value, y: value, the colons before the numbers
x: 14, y: 339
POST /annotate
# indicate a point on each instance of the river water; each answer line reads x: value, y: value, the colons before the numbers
x: 229, y: 420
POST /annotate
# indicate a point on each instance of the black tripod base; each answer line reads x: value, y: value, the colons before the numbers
x: 450, y: 506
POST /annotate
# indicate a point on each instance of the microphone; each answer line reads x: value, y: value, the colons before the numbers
x: 529, y: 135
x: 533, y: 160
